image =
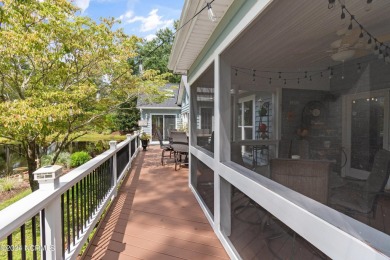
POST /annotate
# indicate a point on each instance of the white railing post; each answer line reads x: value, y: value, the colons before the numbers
x: 114, y: 168
x: 48, y: 179
x: 128, y: 136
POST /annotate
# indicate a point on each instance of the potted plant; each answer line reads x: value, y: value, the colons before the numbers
x: 145, y: 137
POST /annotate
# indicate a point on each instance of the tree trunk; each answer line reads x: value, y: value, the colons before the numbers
x: 32, y: 164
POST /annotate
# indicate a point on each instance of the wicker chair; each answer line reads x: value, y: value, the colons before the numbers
x: 308, y: 177
x: 164, y: 147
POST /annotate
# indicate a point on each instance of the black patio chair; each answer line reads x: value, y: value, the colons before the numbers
x: 360, y: 196
x: 164, y: 147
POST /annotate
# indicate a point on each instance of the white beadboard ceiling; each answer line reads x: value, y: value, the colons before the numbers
x: 297, y: 34
x: 192, y: 38
x: 287, y: 35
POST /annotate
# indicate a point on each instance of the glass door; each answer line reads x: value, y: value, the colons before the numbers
x: 246, y: 118
x: 157, y: 124
x: 169, y: 124
x: 163, y: 123
x: 366, y: 131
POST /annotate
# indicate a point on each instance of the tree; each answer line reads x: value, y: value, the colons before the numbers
x: 60, y: 74
x: 127, y: 116
x: 155, y: 53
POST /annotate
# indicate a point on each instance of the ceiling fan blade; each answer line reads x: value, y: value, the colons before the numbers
x: 350, y: 38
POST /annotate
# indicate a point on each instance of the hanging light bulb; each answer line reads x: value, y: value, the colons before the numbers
x: 310, y: 78
x: 361, y: 32
x: 270, y: 81
x: 350, y: 25
x: 280, y: 75
x: 285, y: 81
x: 359, y: 68
x: 210, y: 13
x: 98, y: 95
x: 331, y: 73
x: 376, y: 49
x: 322, y: 75
x: 368, y: 5
x: 236, y: 73
x: 71, y: 111
x: 254, y: 75
x: 342, y: 12
x: 331, y: 4
x: 305, y: 74
x: 298, y: 80
x: 380, y: 55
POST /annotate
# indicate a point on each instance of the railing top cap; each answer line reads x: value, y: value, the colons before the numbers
x: 49, y: 169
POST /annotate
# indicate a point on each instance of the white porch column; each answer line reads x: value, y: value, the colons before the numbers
x: 222, y: 112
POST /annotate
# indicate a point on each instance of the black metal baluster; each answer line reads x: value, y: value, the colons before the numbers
x: 9, y: 247
x: 85, y: 201
x: 77, y: 211
x: 34, y: 237
x: 80, y: 200
x: 73, y: 218
x: 23, y: 241
x: 63, y: 225
x: 94, y: 192
x: 89, y: 196
x: 68, y: 221
x: 98, y: 186
x: 43, y: 234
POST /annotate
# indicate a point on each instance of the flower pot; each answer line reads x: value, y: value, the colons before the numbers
x: 144, y: 144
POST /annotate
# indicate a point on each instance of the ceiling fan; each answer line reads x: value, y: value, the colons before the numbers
x: 349, y: 46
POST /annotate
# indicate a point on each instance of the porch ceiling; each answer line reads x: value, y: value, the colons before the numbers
x: 192, y: 38
x: 293, y: 35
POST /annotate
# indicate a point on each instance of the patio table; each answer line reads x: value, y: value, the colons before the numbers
x: 180, y: 154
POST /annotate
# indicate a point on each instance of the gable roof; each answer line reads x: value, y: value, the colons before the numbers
x: 169, y: 102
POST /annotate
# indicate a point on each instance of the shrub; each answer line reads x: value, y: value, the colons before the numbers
x: 7, y: 184
x: 63, y: 159
x: 79, y: 158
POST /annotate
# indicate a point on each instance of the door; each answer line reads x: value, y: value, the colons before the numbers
x: 157, y: 124
x: 365, y: 132
x: 246, y: 118
x: 163, y: 123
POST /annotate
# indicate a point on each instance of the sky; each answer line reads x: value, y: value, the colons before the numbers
x: 142, y: 18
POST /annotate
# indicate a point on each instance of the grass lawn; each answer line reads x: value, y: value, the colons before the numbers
x: 94, y: 137
x: 15, y: 198
x: 91, y: 137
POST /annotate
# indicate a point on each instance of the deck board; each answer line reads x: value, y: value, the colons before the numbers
x: 155, y: 216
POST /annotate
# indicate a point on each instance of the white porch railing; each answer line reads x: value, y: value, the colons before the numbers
x: 69, y: 213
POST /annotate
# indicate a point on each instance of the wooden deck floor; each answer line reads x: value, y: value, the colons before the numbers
x: 155, y: 216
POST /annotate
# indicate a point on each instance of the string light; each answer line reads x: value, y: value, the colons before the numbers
x: 254, y: 75
x: 380, y: 48
x: 236, y: 72
x: 280, y: 75
x: 270, y: 81
x: 310, y: 78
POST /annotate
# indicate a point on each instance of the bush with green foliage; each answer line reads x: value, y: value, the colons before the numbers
x: 79, y: 158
